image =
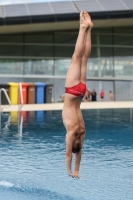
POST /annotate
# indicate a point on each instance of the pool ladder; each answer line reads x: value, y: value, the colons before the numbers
x: 5, y: 92
x: 20, y: 118
x: 6, y: 95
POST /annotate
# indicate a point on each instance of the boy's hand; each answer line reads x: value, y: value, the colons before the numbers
x: 70, y: 173
x: 75, y: 174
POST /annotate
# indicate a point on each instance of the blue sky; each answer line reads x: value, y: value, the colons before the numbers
x: 3, y: 2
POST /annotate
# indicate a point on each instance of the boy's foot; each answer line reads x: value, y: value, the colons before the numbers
x: 88, y: 19
x: 83, y: 22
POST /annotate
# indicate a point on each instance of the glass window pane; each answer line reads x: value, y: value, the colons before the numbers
x: 59, y: 89
x: 65, y: 37
x: 123, y: 51
x: 102, y: 36
x: 16, y: 38
x: 123, y: 30
x: 93, y: 39
x: 101, y: 52
x: 105, y: 39
x: 11, y: 50
x: 123, y: 40
x: 9, y: 66
x: 39, y: 37
x: 123, y: 66
x: 100, y: 67
x: 106, y: 51
x: 101, y: 40
x: 39, y: 67
x: 94, y: 52
x: 61, y: 66
x: 63, y: 51
x: 104, y: 31
x: 38, y: 51
x: 123, y: 90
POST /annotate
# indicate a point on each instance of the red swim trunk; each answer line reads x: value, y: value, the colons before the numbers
x: 77, y: 90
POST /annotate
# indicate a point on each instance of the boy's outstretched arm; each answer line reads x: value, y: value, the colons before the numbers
x: 69, y: 142
x: 78, y: 155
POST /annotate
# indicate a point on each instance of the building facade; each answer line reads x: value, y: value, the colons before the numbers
x: 42, y: 52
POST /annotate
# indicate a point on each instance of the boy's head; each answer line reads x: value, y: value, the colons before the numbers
x: 76, y: 146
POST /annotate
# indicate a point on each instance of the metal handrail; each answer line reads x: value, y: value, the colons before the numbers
x: 21, y: 94
x: 21, y: 126
x: 5, y: 92
x: 20, y: 97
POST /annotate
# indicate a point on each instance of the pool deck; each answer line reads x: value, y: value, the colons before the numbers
x: 59, y: 106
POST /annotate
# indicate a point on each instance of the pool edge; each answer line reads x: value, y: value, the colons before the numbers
x: 59, y: 106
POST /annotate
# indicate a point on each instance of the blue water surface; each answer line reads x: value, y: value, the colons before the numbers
x: 32, y: 157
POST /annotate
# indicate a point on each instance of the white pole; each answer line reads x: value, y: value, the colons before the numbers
x: 21, y: 93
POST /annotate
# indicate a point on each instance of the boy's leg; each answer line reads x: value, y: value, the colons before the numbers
x: 87, y: 49
x: 73, y: 74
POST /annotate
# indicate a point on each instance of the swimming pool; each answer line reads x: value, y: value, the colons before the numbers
x: 32, y: 157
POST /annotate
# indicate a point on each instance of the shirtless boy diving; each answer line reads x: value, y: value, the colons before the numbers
x: 75, y: 88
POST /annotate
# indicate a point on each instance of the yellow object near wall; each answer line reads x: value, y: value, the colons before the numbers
x: 13, y: 92
x: 14, y: 117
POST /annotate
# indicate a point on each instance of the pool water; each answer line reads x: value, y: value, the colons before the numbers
x: 32, y: 157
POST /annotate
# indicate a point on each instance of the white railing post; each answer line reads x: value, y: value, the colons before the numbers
x: 20, y: 97
x: 21, y: 93
x: 21, y: 127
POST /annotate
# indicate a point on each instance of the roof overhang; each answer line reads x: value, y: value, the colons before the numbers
x: 64, y: 15
x: 67, y: 25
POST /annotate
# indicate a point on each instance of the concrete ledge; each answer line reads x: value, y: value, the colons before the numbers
x: 59, y: 106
